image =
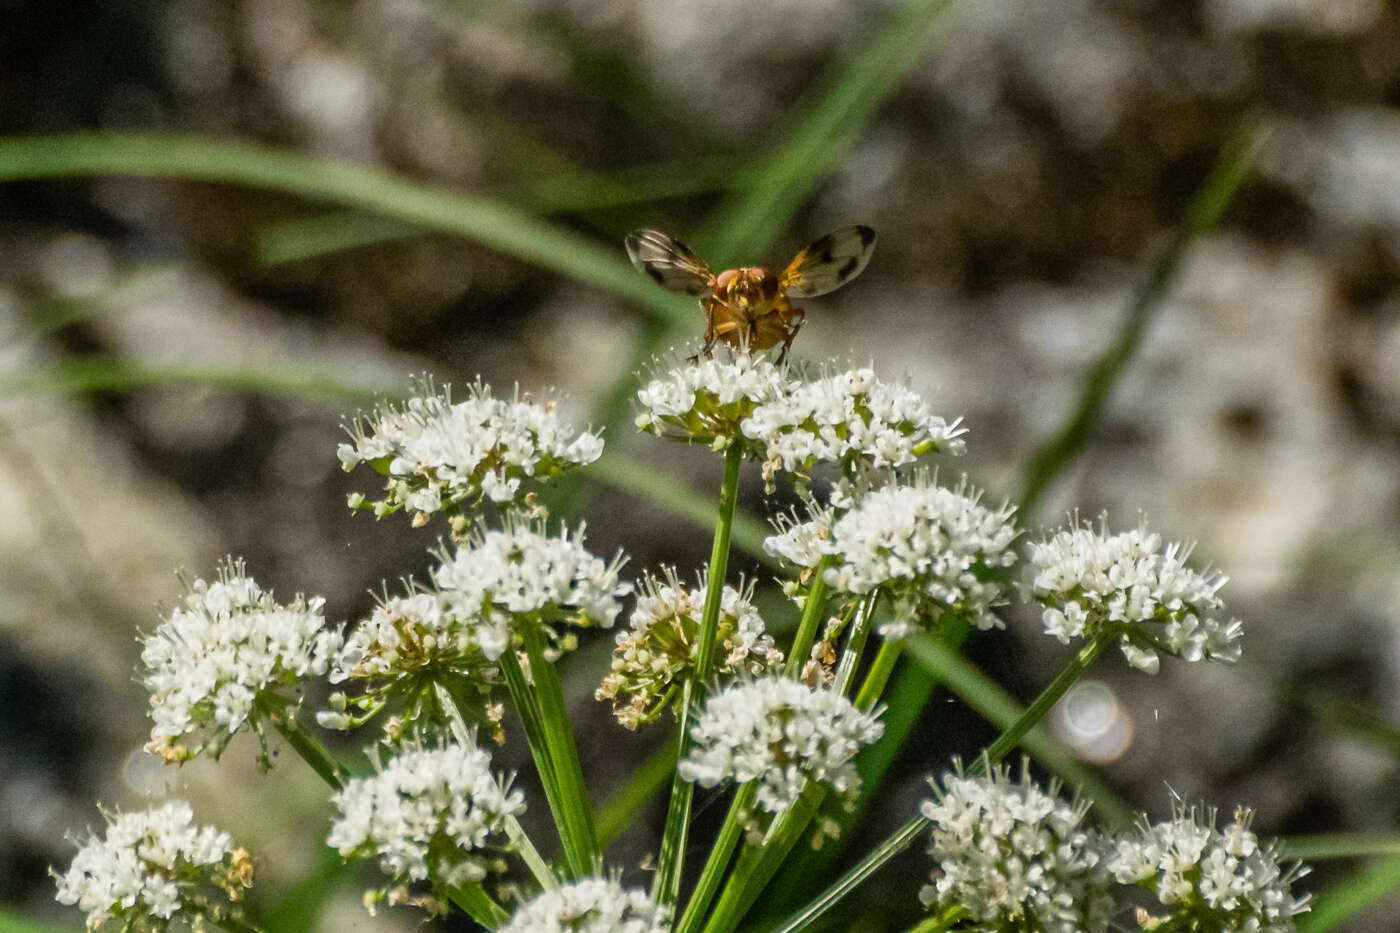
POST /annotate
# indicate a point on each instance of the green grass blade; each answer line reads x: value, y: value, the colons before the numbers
x: 1233, y: 165
x: 643, y: 784
x: 1341, y: 902
x: 11, y: 922
x: 490, y: 223
x: 291, y: 379
x: 748, y: 220
x: 1340, y: 845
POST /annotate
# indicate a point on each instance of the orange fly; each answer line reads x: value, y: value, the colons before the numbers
x: 750, y: 307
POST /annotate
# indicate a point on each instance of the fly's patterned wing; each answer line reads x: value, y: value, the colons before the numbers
x: 669, y: 263
x: 829, y: 263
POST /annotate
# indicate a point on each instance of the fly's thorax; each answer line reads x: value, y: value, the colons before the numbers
x: 748, y: 288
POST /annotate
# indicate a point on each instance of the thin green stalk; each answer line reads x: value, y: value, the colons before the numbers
x: 523, y: 699
x: 1041, y: 705
x: 879, y: 674
x: 666, y: 888
x: 720, y: 855
x: 309, y: 748
x: 855, y: 645
x: 466, y: 737
x: 906, y: 834
x: 1233, y: 165
x: 811, y: 619
x: 581, y: 836
x: 477, y: 904
x: 757, y: 866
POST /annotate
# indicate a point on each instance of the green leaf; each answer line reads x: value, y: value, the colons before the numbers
x: 1343, y: 901
x: 490, y: 223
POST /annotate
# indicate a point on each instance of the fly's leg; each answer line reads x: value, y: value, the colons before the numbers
x: 797, y: 315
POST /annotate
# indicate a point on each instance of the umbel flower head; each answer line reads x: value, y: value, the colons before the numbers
x: 219, y: 661
x: 851, y: 418
x: 656, y: 652
x: 589, y: 905
x: 409, y: 644
x: 437, y: 454
x: 932, y: 550
x: 780, y: 733
x: 1208, y: 878
x: 153, y: 866
x: 436, y: 813
x: 789, y: 423
x: 520, y: 575
x: 1014, y: 856
x: 1090, y: 581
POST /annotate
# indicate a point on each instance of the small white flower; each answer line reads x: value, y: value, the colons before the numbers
x: 153, y: 865
x: 436, y: 813
x: 800, y: 542
x: 1090, y: 580
x: 1014, y: 856
x: 224, y: 649
x: 656, y: 652
x: 1218, y: 879
x: 437, y: 453
x: 521, y: 575
x: 589, y: 905
x: 933, y: 550
x: 780, y: 733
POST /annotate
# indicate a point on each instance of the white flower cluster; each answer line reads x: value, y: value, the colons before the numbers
x: 792, y: 424
x: 153, y: 865
x: 521, y: 573
x: 933, y: 550
x: 1089, y: 580
x: 847, y: 417
x: 707, y: 400
x: 439, y: 453
x: 780, y: 733
x: 429, y: 811
x: 1211, y: 878
x: 405, y: 638
x: 589, y: 905
x: 656, y: 652
x: 227, y: 646
x: 1014, y: 856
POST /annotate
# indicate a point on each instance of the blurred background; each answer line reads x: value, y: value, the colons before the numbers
x: 185, y: 324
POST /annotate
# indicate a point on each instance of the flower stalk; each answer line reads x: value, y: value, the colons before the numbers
x: 666, y: 888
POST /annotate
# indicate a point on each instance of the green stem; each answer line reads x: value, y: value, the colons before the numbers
x: 309, y: 748
x: 466, y: 737
x: 811, y: 619
x: 718, y: 861
x: 1041, y: 705
x: 523, y: 698
x: 581, y: 838
x: 758, y: 866
x: 855, y: 645
x: 939, y: 923
x: 1233, y: 165
x: 666, y: 888
x: 879, y: 674
x: 480, y: 906
x: 906, y: 834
